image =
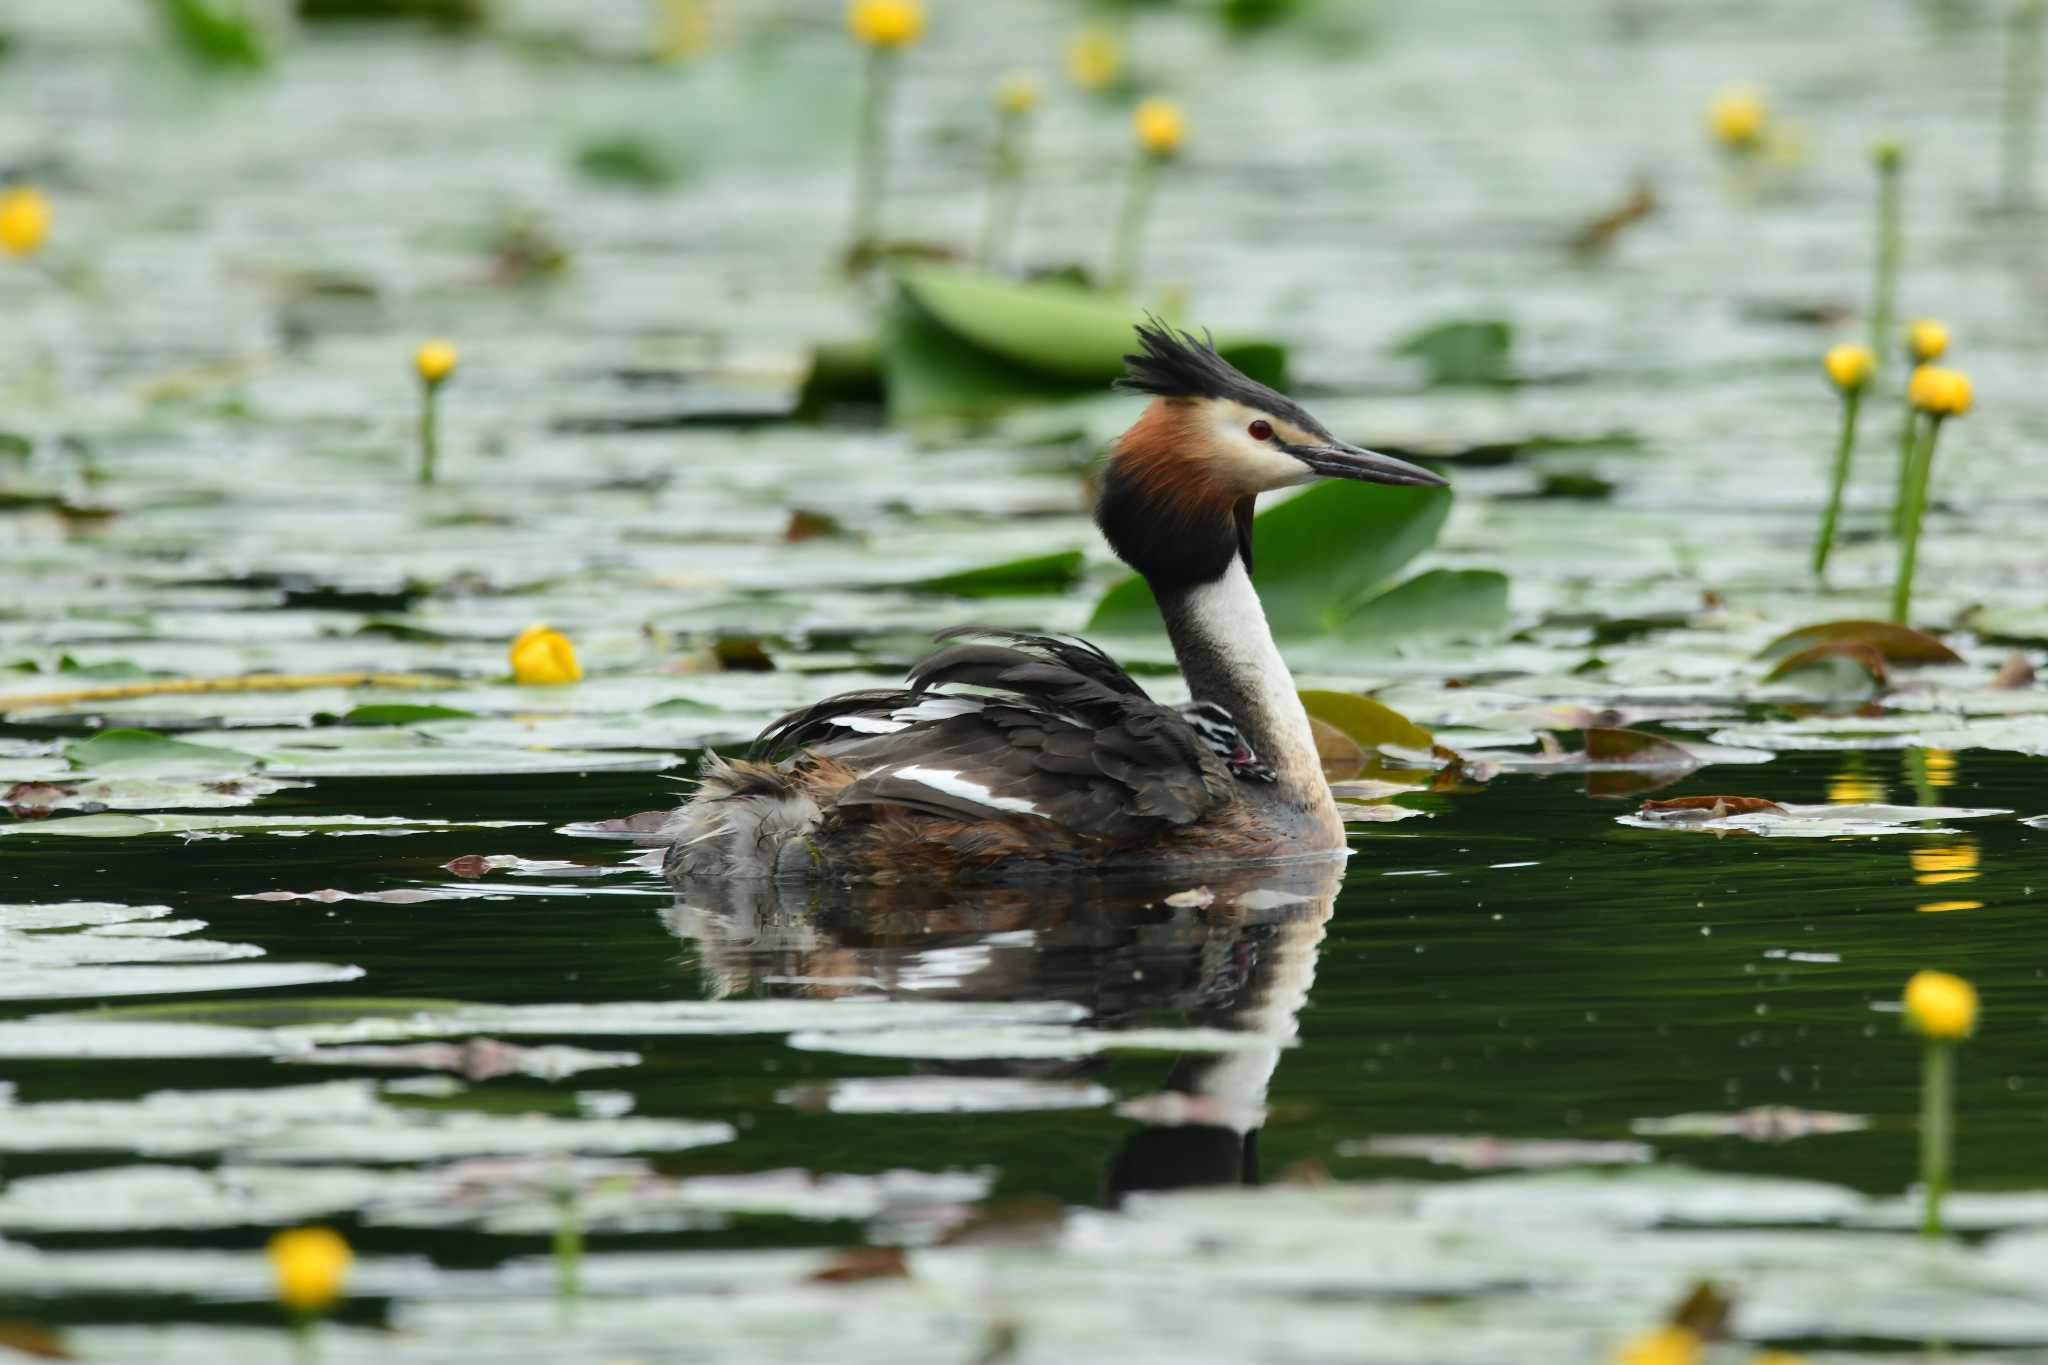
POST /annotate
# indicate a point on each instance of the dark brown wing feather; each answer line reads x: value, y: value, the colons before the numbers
x: 1056, y: 732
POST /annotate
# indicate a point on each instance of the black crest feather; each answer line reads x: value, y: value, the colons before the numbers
x: 1171, y: 363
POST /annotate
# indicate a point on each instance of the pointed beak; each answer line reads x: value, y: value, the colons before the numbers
x: 1340, y: 461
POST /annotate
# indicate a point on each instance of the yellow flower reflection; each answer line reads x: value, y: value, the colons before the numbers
x: 1939, y: 765
x: 1938, y: 864
x: 1943, y: 907
x: 1854, y: 787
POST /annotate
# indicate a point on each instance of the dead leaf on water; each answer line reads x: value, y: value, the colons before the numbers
x: 863, y: 1263
x: 1709, y: 807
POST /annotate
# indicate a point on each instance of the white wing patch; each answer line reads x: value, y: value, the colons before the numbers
x: 870, y: 725
x: 965, y: 788
x: 936, y: 707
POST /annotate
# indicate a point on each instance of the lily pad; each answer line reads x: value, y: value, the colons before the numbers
x: 1017, y: 1041
x: 1366, y: 722
x: 130, y: 826
x: 1790, y: 821
x: 1467, y: 603
x: 1469, y: 351
x: 333, y: 1122
x: 1062, y: 331
x: 1319, y: 556
x: 149, y: 752
x: 1036, y: 574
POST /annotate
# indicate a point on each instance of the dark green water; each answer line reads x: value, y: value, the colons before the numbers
x: 1602, y: 974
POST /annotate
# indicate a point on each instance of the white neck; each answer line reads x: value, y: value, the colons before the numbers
x: 1226, y: 651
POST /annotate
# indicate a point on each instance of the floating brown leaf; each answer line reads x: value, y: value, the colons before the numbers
x: 863, y: 1263
x: 1636, y: 749
x: 1341, y: 755
x: 2017, y: 671
x: 1026, y: 1218
x: 20, y: 1337
x: 805, y: 524
x: 1714, y: 807
x: 1865, y: 655
x: 1897, y: 644
x: 1600, y: 233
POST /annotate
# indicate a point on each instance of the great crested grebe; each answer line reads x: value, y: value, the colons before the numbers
x: 1058, y: 761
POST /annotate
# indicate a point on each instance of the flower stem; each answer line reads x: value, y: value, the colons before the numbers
x: 305, y: 1339
x: 871, y: 177
x: 1130, y: 223
x: 1937, y: 1130
x: 430, y: 434
x: 1909, y: 441
x: 568, y: 1245
x: 1916, y: 509
x: 1884, y: 289
x: 1005, y: 189
x: 1845, y: 449
x: 2022, y: 103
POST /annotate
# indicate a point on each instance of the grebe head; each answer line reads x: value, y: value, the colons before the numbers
x: 1217, y: 728
x: 1179, y: 492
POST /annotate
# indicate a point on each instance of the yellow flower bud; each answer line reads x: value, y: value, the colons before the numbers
x: 1737, y: 117
x: 311, y: 1265
x: 542, y: 655
x: 24, y: 220
x: 1664, y: 1346
x: 1094, y: 57
x: 1941, y: 1005
x: 1159, y: 126
x: 1926, y: 340
x: 1940, y: 392
x: 886, y: 23
x: 1850, y: 366
x: 435, y: 361
x: 1018, y: 93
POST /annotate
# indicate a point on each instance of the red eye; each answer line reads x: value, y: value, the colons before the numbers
x: 1261, y: 430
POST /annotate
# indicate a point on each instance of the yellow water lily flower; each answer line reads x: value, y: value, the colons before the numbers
x: 1941, y: 1005
x: 542, y: 655
x: 886, y: 23
x: 1094, y: 57
x: 1940, y: 392
x: 436, y: 360
x: 1018, y: 93
x: 1159, y: 125
x: 1926, y: 340
x: 682, y: 30
x: 1850, y: 366
x: 24, y: 220
x: 311, y: 1266
x: 1737, y: 117
x: 1664, y: 1346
